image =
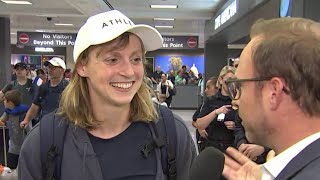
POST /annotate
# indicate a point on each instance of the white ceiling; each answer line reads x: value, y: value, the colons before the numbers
x: 190, y: 16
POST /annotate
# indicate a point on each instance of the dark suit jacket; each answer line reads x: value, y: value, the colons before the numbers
x: 305, y: 166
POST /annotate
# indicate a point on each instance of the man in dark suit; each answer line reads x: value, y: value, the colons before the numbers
x: 276, y: 88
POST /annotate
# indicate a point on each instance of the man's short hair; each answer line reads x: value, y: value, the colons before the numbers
x: 289, y: 48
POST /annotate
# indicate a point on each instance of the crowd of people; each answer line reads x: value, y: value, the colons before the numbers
x: 27, y: 99
x: 102, y: 122
x: 164, y: 84
x: 180, y: 77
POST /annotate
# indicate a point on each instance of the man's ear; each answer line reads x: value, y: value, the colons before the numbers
x: 275, y: 87
x: 81, y: 69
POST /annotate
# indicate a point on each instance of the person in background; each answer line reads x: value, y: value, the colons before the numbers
x: 156, y: 75
x: 185, y: 74
x: 276, y: 88
x: 179, y: 80
x: 163, y: 88
x: 48, y: 96
x: 41, y: 77
x: 200, y: 89
x: 202, y: 134
x: 148, y: 81
x: 162, y: 100
x: 172, y: 77
x: 109, y: 110
x: 13, y: 114
x: 32, y: 72
x: 13, y: 73
x: 255, y: 152
x: 192, y: 78
x: 23, y: 84
x: 67, y: 74
x: 217, y: 116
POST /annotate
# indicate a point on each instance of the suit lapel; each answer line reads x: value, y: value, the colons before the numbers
x: 308, y: 154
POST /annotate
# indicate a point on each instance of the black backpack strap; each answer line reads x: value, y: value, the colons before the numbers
x: 52, y: 134
x: 167, y: 128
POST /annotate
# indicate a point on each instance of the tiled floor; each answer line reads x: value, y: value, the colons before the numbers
x: 186, y: 115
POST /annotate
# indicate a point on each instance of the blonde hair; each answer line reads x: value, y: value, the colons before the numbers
x: 225, y: 70
x: 75, y: 101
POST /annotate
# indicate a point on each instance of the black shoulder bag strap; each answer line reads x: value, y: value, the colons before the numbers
x: 167, y: 128
x: 166, y: 140
x: 52, y: 135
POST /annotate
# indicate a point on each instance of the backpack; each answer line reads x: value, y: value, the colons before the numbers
x: 173, y: 91
x: 53, y: 131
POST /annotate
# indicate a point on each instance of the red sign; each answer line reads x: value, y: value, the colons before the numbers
x: 192, y: 42
x: 24, y: 38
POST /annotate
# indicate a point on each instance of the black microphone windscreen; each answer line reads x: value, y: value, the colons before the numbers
x: 208, y: 165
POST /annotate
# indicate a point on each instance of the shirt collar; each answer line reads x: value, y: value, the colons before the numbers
x: 279, y: 162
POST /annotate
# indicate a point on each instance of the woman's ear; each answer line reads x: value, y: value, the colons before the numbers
x: 81, y: 69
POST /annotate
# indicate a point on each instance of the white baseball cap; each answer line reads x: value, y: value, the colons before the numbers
x: 105, y: 27
x: 56, y: 62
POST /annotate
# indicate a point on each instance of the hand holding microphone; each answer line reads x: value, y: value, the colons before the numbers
x: 208, y: 165
x: 211, y: 164
x: 238, y: 166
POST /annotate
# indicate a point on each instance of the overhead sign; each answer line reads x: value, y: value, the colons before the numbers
x: 180, y: 42
x: 45, y: 39
x: 226, y: 14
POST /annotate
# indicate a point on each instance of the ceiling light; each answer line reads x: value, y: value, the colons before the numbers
x: 43, y: 49
x: 163, y: 19
x: 16, y: 2
x: 13, y: 33
x: 63, y: 24
x: 163, y: 27
x: 164, y: 6
x: 46, y: 15
x: 42, y: 30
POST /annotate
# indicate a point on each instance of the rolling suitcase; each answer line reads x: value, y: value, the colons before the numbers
x: 5, y: 172
x: 4, y: 145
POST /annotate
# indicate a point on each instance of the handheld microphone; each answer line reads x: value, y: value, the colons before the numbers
x: 208, y: 165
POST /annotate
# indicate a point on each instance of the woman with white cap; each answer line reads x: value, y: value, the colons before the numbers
x: 110, y: 117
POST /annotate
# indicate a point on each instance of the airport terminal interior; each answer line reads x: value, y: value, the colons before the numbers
x: 201, y: 39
